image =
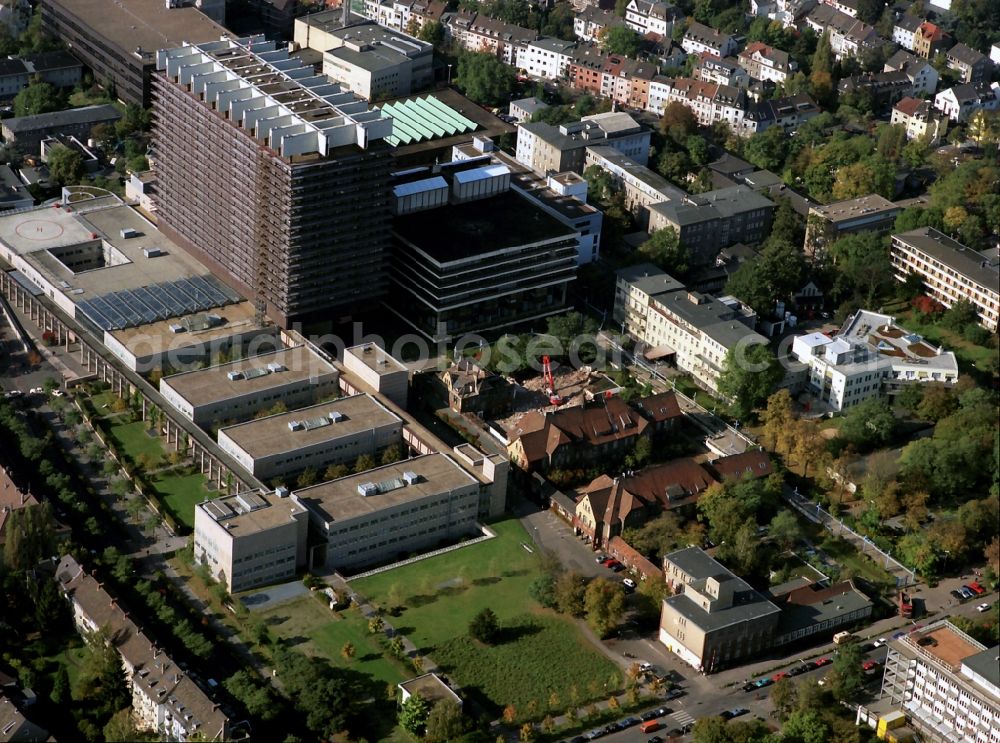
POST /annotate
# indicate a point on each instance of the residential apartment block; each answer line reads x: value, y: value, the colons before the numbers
x: 971, y: 65
x: 59, y: 69
x: 314, y: 437
x: 828, y: 223
x: 870, y: 356
x: 261, y: 164
x: 251, y: 539
x: 958, y: 103
x: 951, y: 272
x: 946, y: 683
x: 27, y: 132
x: 546, y: 57
x: 165, y: 700
x: 848, y: 36
x: 708, y: 222
x: 592, y: 21
x: 921, y: 73
x: 789, y: 13
x: 717, y: 619
x: 119, y: 44
x: 477, y: 32
x: 377, y: 63
x: 905, y: 29
x: 555, y: 149
x: 701, y: 38
x: 920, y: 119
x: 763, y: 62
x: 391, y: 510
x: 641, y: 186
x: 930, y: 40
x: 693, y: 331
x: 238, y: 390
x: 650, y: 17
x: 711, y: 69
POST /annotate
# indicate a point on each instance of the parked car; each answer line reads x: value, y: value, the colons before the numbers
x: 749, y: 686
x: 674, y: 733
x: 977, y: 589
x: 867, y: 647
x: 628, y: 582
x: 761, y: 683
x: 58, y: 393
x: 616, y: 566
x: 35, y: 391
x: 983, y: 607
x: 778, y: 676
x: 798, y: 670
x: 738, y: 712
x: 601, y: 559
x: 880, y: 642
x: 824, y: 661
x: 957, y: 595
x: 579, y: 739
x: 655, y: 739
x: 967, y: 592
x: 870, y: 664
x: 673, y: 694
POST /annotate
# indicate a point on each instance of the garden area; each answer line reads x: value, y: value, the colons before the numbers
x: 539, y: 658
x: 164, y: 475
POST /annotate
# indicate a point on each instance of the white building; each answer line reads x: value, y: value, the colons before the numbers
x: 546, y: 57
x: 921, y: 73
x: 240, y: 389
x: 701, y: 38
x: 951, y: 271
x: 650, y: 16
x: 378, y: 63
x: 250, y: 539
x: 946, y: 683
x: 869, y: 356
x: 379, y: 370
x: 905, y: 30
x: 961, y: 101
x: 336, y: 432
x: 592, y: 21
x: 165, y: 700
x: 692, y: 330
x: 920, y: 120
x: 763, y: 62
x: 390, y: 511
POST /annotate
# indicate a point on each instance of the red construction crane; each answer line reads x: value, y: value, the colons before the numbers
x: 550, y: 383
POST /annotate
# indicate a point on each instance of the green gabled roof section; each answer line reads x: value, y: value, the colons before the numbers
x: 423, y: 119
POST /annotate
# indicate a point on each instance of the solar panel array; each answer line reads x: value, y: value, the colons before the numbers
x: 131, y: 307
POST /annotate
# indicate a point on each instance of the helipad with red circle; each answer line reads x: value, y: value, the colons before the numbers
x: 39, y: 229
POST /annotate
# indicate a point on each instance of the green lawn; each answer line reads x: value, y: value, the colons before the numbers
x: 133, y: 440
x: 542, y: 652
x: 180, y: 493
x: 313, y: 629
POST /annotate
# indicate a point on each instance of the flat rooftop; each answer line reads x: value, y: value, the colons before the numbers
x: 649, y: 279
x: 274, y: 435
x: 976, y: 266
x: 478, y: 228
x: 250, y: 513
x: 147, y: 24
x: 160, y: 336
x: 840, y: 211
x: 892, y: 342
x: 944, y: 643
x: 340, y: 500
x: 49, y: 239
x: 376, y: 358
x: 641, y: 173
x: 209, y: 385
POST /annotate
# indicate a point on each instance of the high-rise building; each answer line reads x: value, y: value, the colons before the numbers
x: 273, y: 175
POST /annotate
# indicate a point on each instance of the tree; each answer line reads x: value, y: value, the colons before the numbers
x: 37, y: 98
x: 445, y: 722
x: 484, y: 78
x: 848, y: 677
x: 432, y: 32
x: 413, y: 714
x: 785, y: 529
x: 485, y: 627
x: 257, y: 695
x: 65, y: 165
x: 100, y: 682
x: 336, y: 471
x: 749, y: 374
x: 527, y: 733
x: 347, y: 650
x: 29, y: 537
x: 784, y: 696
x: 620, y: 40
x: 767, y: 149
x: 542, y: 590
x: 678, y: 121
x: 604, y: 603
x: 122, y: 728
x: 376, y: 625
x: 869, y: 424
x: 805, y: 726
x: 364, y: 463
x: 569, y: 592
x: 664, y: 249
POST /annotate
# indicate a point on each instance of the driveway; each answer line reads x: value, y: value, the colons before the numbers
x: 554, y: 535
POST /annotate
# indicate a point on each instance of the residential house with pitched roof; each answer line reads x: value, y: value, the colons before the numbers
x: 651, y: 17
x: 920, y: 119
x: 763, y: 62
x: 930, y: 39
x: 567, y: 437
x: 923, y: 77
x: 701, y: 38
x: 711, y: 69
x: 905, y: 29
x: 848, y: 36
x: 958, y: 103
x: 971, y: 65
x: 164, y: 698
x: 592, y: 21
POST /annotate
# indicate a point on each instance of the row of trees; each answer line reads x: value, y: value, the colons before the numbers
x: 601, y: 602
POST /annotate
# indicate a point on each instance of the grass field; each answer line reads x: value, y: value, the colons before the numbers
x: 542, y: 652
x: 180, y: 493
x: 312, y: 628
x: 134, y: 441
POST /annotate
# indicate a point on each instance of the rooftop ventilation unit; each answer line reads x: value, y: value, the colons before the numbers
x: 367, y: 488
x: 410, y: 477
x: 335, y: 416
x: 175, y: 328
x: 128, y: 232
x: 152, y: 252
x: 234, y: 375
x: 294, y: 425
x: 274, y: 366
x: 281, y: 491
